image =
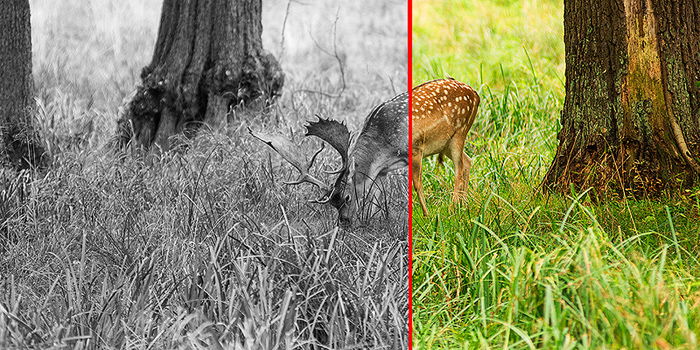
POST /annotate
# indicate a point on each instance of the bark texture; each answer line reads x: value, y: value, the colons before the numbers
x: 20, y: 148
x: 208, y: 58
x: 631, y: 117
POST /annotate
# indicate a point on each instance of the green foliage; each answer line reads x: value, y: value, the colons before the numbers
x: 513, y: 267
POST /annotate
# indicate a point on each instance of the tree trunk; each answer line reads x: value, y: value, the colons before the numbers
x: 20, y: 148
x: 630, y: 123
x: 208, y: 58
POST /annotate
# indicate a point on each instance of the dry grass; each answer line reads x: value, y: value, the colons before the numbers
x: 208, y: 248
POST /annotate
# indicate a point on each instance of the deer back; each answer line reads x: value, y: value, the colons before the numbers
x: 442, y: 108
x: 382, y: 144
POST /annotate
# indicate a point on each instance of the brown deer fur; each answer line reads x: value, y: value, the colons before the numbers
x: 443, y: 112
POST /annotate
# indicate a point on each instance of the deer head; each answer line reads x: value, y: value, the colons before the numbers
x: 342, y: 194
x: 381, y: 146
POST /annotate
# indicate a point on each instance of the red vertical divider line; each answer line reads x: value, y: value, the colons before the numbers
x: 410, y: 172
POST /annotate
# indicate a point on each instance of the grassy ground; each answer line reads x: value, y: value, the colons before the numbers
x: 206, y: 248
x: 513, y: 267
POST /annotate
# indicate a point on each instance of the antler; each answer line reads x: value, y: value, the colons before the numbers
x: 335, y: 133
x: 289, y: 151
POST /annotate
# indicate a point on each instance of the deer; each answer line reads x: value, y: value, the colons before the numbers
x: 443, y: 111
x: 380, y: 147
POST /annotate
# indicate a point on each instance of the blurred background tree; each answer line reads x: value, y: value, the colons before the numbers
x: 20, y: 147
x: 208, y: 58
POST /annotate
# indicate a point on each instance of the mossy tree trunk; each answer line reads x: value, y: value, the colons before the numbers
x: 631, y: 117
x: 208, y: 58
x: 20, y: 148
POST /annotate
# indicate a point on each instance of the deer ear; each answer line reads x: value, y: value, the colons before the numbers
x: 333, y: 132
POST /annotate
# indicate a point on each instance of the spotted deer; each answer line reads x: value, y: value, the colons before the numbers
x: 381, y: 146
x: 443, y: 112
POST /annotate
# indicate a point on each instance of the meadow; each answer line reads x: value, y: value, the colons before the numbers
x: 206, y: 248
x: 517, y: 267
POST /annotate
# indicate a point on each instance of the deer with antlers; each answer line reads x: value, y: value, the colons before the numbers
x: 443, y: 111
x: 380, y: 147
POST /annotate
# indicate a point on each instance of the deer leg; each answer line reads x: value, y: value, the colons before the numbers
x: 462, y: 166
x: 416, y: 179
x: 440, y: 162
x: 371, y: 198
x: 467, y: 163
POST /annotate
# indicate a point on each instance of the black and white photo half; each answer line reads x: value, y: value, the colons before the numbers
x: 203, y: 174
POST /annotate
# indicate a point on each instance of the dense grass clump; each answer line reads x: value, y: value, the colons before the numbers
x: 206, y: 248
x: 516, y: 267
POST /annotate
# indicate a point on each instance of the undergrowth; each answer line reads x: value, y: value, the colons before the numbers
x: 516, y: 267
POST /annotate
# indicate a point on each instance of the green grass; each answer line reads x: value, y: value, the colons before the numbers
x: 206, y: 249
x: 513, y: 267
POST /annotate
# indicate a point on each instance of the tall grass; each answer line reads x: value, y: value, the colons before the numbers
x: 513, y: 267
x: 206, y: 249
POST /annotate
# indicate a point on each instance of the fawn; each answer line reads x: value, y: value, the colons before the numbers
x: 443, y: 112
